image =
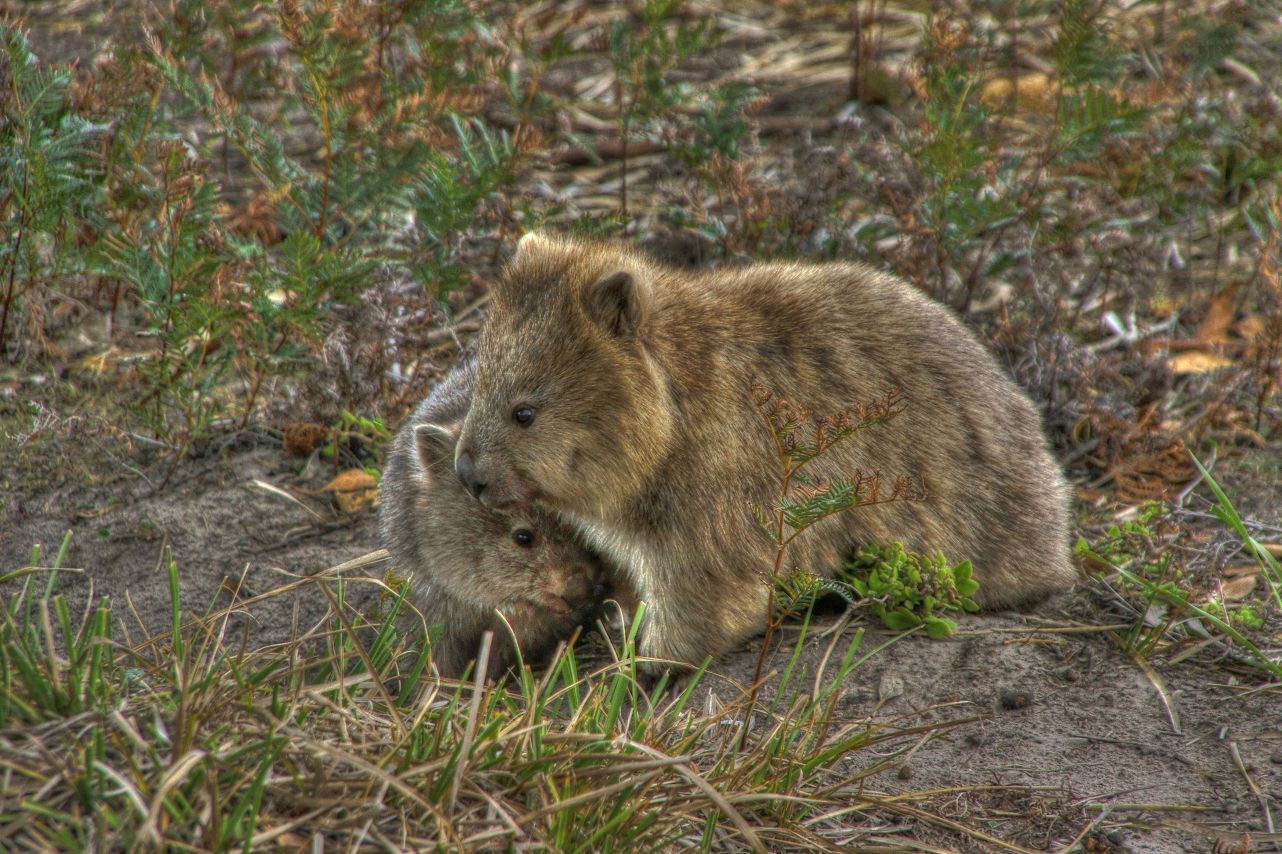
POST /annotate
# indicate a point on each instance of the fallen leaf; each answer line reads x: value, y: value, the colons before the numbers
x: 100, y: 363
x: 890, y: 686
x: 1035, y: 91
x: 1219, y: 316
x: 1238, y: 588
x: 354, y: 490
x: 1250, y: 327
x: 1196, y: 362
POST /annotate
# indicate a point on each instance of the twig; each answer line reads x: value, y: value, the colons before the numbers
x: 473, y: 713
x: 947, y: 823
x: 1172, y: 714
x: 1262, y: 798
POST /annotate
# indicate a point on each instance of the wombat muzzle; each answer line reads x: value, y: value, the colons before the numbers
x: 465, y: 468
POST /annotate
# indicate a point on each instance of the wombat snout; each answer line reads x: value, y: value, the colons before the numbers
x: 465, y: 468
x: 582, y: 588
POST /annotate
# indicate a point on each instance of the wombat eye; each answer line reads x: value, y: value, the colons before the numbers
x: 523, y: 537
x: 523, y: 415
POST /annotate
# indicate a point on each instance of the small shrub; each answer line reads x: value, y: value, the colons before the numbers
x: 906, y: 590
x: 48, y: 186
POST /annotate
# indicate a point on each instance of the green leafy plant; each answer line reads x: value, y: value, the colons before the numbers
x: 1224, y: 510
x: 52, y: 663
x: 236, y: 246
x: 1139, y: 545
x: 1139, y: 552
x: 800, y: 437
x: 906, y: 590
x: 362, y: 437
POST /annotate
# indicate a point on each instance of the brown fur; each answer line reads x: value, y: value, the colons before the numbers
x: 645, y: 436
x: 464, y: 562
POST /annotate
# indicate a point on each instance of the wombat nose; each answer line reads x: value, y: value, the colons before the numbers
x: 465, y: 468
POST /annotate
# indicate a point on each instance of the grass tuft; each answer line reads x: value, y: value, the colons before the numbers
x: 185, y: 737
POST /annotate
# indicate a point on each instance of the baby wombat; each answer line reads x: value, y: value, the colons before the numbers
x: 616, y: 393
x: 467, y: 560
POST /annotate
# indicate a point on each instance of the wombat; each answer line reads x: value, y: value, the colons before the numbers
x: 616, y: 393
x: 468, y: 561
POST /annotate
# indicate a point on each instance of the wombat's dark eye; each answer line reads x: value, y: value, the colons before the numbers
x: 523, y: 537
x: 523, y: 415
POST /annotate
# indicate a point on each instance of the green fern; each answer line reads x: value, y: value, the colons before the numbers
x: 49, y: 183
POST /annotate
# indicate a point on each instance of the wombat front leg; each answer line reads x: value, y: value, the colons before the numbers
x: 688, y: 624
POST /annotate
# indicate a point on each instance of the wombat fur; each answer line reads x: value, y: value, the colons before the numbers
x: 616, y: 393
x: 464, y: 559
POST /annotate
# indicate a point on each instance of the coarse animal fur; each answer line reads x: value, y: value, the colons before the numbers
x: 615, y: 392
x: 464, y: 559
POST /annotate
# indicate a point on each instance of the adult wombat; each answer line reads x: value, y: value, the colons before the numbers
x: 615, y: 392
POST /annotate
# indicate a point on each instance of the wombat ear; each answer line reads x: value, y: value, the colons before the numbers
x: 619, y: 301
x: 530, y: 240
x: 436, y: 443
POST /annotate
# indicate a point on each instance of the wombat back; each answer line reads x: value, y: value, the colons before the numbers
x: 616, y: 392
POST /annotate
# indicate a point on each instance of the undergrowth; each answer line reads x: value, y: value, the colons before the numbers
x: 906, y: 590
x: 1171, y: 610
x: 187, y: 218
x: 233, y: 183
x: 224, y: 209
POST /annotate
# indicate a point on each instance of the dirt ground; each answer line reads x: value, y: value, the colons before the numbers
x: 1057, y: 725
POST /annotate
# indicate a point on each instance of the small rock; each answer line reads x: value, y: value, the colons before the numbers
x: 1015, y: 698
x: 1276, y: 757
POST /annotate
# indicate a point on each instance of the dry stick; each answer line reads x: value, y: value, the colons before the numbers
x: 1138, y: 807
x: 946, y: 823
x: 1048, y: 630
x: 786, y: 461
x: 13, y: 269
x: 922, y: 794
x: 1172, y: 714
x: 1091, y: 825
x: 897, y: 846
x: 473, y: 712
x: 1250, y: 783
